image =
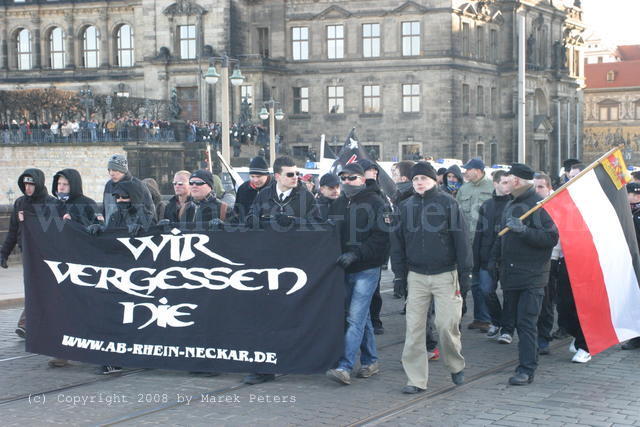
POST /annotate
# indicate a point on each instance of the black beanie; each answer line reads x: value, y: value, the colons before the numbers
x: 204, y: 175
x: 423, y: 168
x: 258, y: 166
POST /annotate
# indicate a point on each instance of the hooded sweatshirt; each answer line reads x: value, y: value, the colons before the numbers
x: 455, y: 170
x: 133, y: 212
x: 109, y: 203
x: 82, y: 209
x: 39, y: 203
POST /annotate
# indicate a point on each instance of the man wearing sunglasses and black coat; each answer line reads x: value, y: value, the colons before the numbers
x: 286, y: 201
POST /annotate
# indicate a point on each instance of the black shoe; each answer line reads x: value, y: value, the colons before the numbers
x: 411, y: 389
x: 378, y: 330
x: 521, y: 379
x: 253, y: 379
x: 458, y: 378
x: 21, y: 332
x: 632, y: 344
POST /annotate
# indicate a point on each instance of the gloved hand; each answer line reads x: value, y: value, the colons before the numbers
x: 164, y: 222
x: 284, y: 220
x: 516, y: 225
x: 95, y: 229
x: 133, y: 229
x: 346, y: 259
x: 3, y: 262
x: 465, y: 282
x: 215, y: 224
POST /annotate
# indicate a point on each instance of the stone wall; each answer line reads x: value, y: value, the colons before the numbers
x: 90, y: 160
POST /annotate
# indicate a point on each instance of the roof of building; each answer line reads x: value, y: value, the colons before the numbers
x: 626, y: 74
x: 630, y: 52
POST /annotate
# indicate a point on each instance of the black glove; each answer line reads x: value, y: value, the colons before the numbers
x: 516, y: 225
x: 164, y: 222
x: 215, y: 224
x: 3, y: 262
x: 284, y: 220
x: 133, y: 229
x: 346, y: 259
x: 465, y: 282
x: 95, y: 229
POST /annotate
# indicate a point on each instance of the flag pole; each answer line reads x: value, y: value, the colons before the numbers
x: 563, y: 187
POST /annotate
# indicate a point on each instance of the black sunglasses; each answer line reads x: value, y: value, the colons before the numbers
x: 198, y: 183
x: 121, y: 196
x: 350, y: 177
x: 291, y: 174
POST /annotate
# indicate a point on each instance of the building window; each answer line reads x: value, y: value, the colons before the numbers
x: 372, y: 150
x: 611, y: 76
x: 494, y: 153
x: 335, y: 41
x: 465, y: 152
x: 410, y: 151
x: 466, y: 43
x: 124, y: 46
x: 411, y: 98
x: 23, y: 49
x: 480, y: 42
x: 466, y: 101
x: 370, y: 40
x: 263, y: 42
x: 371, y: 99
x: 300, y: 151
x: 300, y: 38
x: 187, y: 41
x: 335, y: 95
x: 91, y: 47
x: 609, y: 111
x: 56, y: 48
x: 300, y: 100
x: 411, y: 38
x: 480, y: 150
x: 494, y: 102
x: 246, y: 92
x: 480, y: 99
x: 493, y: 46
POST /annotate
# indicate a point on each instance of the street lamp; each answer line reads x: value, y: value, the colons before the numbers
x: 265, y: 114
x: 211, y: 77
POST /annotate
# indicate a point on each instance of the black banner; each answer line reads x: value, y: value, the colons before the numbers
x: 227, y: 301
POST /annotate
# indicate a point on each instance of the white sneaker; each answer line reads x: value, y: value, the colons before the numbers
x: 493, y: 332
x: 581, y: 356
x: 505, y: 339
x: 572, y: 346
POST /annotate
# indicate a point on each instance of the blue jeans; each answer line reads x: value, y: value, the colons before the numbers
x: 359, y: 334
x: 480, y: 310
x: 488, y: 288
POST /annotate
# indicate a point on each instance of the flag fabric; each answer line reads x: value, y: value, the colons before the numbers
x: 601, y: 253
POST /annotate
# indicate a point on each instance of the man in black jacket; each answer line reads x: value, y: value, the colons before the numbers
x: 522, y: 257
x: 204, y: 210
x: 259, y: 178
x: 365, y: 243
x: 430, y: 246
x: 286, y: 201
x: 401, y: 174
x: 329, y: 192
x: 487, y: 229
x: 73, y: 205
x: 178, y: 203
x: 35, y: 200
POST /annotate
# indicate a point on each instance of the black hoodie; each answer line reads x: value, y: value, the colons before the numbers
x: 39, y: 203
x: 133, y: 212
x: 109, y: 203
x: 454, y: 169
x: 81, y: 208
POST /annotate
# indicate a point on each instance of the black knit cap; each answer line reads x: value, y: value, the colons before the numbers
x: 521, y: 171
x: 204, y: 175
x: 423, y: 168
x: 570, y: 162
x: 258, y: 166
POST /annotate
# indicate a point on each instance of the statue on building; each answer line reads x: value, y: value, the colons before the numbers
x: 174, y: 105
x: 531, y: 53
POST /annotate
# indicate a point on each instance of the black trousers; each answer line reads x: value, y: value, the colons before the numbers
x: 526, y: 303
x: 545, y: 321
x: 567, y: 312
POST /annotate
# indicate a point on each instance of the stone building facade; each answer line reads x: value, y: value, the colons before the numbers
x: 435, y: 77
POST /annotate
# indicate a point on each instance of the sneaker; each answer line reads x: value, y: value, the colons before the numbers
x: 21, y: 332
x: 493, y: 332
x: 572, y: 346
x: 458, y: 378
x: 411, y: 389
x: 339, y: 375
x: 481, y: 326
x: 108, y: 369
x: 368, y: 370
x: 581, y: 356
x: 58, y: 363
x: 434, y: 355
x: 253, y: 379
x: 505, y: 339
x: 632, y: 344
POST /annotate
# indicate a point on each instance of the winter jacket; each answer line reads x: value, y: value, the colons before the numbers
x: 470, y: 197
x: 133, y: 212
x: 172, y: 211
x: 299, y: 206
x: 454, y: 169
x: 362, y: 228
x: 487, y: 229
x: 431, y: 236
x: 405, y: 190
x: 324, y: 205
x: 39, y: 203
x: 524, y: 258
x: 245, y: 196
x: 109, y: 203
x: 82, y: 209
x: 202, y: 211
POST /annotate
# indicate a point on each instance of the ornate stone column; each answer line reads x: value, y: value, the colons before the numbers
x: 37, y: 51
x: 70, y: 38
x: 105, y: 38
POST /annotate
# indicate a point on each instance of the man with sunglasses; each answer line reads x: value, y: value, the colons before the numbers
x: 204, y: 209
x: 286, y: 201
x: 178, y: 203
x: 359, y: 212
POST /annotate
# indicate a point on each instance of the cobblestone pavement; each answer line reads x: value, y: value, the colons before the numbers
x: 603, y: 392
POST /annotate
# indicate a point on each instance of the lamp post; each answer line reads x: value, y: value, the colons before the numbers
x: 272, y: 116
x: 212, y: 77
x: 87, y: 101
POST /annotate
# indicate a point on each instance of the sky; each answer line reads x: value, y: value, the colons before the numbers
x: 615, y: 21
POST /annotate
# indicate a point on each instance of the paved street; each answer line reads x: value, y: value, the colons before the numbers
x: 603, y: 392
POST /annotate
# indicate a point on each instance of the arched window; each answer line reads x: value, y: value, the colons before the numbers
x: 124, y: 46
x: 23, y: 49
x: 91, y: 47
x: 56, y: 48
